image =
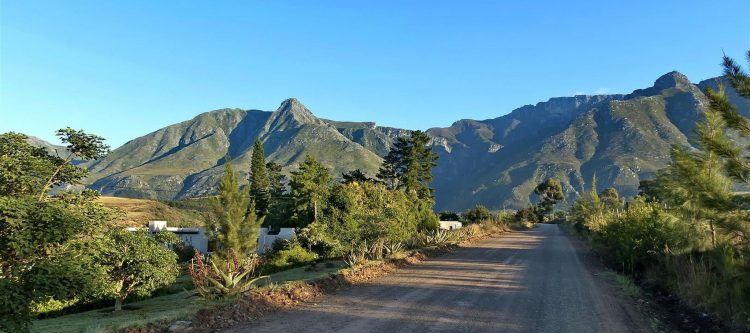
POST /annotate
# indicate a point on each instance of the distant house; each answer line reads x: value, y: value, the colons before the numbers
x: 195, y: 237
x: 267, y: 237
x: 450, y: 225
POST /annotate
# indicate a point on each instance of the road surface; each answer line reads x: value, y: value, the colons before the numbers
x: 529, y: 281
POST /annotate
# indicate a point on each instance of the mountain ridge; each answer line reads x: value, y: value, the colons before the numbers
x: 622, y: 138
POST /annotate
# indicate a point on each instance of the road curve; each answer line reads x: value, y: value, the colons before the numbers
x: 529, y: 281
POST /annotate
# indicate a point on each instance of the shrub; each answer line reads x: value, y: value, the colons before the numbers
x: 431, y: 238
x: 292, y: 257
x: 224, y: 278
x: 636, y: 238
x: 477, y: 214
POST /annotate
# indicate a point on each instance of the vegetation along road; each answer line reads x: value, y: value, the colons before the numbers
x: 530, y: 281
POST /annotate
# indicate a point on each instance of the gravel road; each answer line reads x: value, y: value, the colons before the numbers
x: 529, y: 281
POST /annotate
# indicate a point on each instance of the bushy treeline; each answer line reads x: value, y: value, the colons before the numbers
x: 688, y: 230
x: 58, y: 250
x: 332, y: 217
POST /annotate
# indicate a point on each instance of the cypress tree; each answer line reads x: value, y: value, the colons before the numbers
x: 235, y: 220
x: 259, y: 181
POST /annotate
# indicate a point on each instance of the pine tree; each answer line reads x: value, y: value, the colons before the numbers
x: 235, y: 221
x: 260, y: 190
x: 408, y: 166
x: 310, y: 189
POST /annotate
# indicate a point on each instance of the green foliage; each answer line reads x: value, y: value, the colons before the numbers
x: 40, y: 256
x: 354, y: 176
x: 636, y: 238
x: 477, y: 214
x: 25, y: 169
x: 260, y: 184
x: 235, y: 221
x: 310, y: 188
x: 408, y: 165
x: 550, y: 193
x: 432, y: 238
x: 448, y: 215
x: 611, y: 199
x: 224, y: 277
x: 295, y: 255
x: 136, y: 262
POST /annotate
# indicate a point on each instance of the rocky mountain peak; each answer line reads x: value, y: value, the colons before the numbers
x: 673, y: 79
x: 291, y: 114
x: 293, y: 108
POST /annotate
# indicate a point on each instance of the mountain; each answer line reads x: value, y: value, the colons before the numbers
x: 187, y: 159
x: 620, y: 138
x: 496, y: 162
x: 52, y: 149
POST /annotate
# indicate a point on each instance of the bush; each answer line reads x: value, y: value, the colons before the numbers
x: 477, y: 214
x: 636, y: 238
x: 295, y: 256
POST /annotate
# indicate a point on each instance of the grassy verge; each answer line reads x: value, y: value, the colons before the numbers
x: 161, y: 309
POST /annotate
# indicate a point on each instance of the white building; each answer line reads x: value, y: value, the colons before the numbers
x: 266, y: 239
x: 450, y: 225
x: 195, y: 237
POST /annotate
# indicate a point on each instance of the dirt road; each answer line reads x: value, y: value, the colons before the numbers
x: 530, y: 281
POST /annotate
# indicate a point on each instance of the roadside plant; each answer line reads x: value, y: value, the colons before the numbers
x: 393, y: 249
x: 224, y: 278
x: 356, y: 255
x: 376, y: 249
x: 431, y: 238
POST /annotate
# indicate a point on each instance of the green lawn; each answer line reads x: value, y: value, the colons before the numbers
x: 181, y: 305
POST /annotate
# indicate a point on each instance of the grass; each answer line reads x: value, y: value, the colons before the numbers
x: 138, y: 212
x: 169, y: 308
x: 625, y: 283
x: 158, y: 309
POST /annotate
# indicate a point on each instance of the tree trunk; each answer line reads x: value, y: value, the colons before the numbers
x: 51, y: 179
x: 713, y: 233
x: 118, y: 303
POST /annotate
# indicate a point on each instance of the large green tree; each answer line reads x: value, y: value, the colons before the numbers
x: 42, y: 240
x: 260, y: 183
x: 550, y: 193
x: 234, y: 219
x: 136, y: 262
x: 310, y: 186
x: 408, y: 165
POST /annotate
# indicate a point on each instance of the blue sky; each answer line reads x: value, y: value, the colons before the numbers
x: 122, y: 69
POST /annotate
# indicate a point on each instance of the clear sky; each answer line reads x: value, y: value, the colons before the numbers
x: 121, y: 69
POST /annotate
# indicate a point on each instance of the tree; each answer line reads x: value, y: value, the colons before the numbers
x: 448, y: 215
x: 136, y: 262
x: 260, y: 184
x: 276, y: 180
x: 80, y: 144
x: 611, y: 198
x: 408, y: 166
x: 477, y: 214
x: 25, y: 169
x: 39, y: 257
x: 354, y: 176
x: 310, y: 189
x: 550, y: 193
x: 236, y: 223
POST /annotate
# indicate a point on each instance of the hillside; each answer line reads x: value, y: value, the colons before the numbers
x: 138, y: 212
x: 497, y: 162
x: 621, y: 139
x: 186, y: 159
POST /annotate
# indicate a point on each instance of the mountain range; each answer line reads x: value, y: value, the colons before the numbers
x: 495, y: 162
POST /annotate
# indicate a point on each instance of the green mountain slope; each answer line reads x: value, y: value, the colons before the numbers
x: 497, y: 162
x: 621, y: 139
x: 186, y: 159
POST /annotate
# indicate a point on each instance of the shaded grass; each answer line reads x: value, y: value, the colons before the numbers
x: 625, y: 283
x: 137, y: 314
x: 161, y: 309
